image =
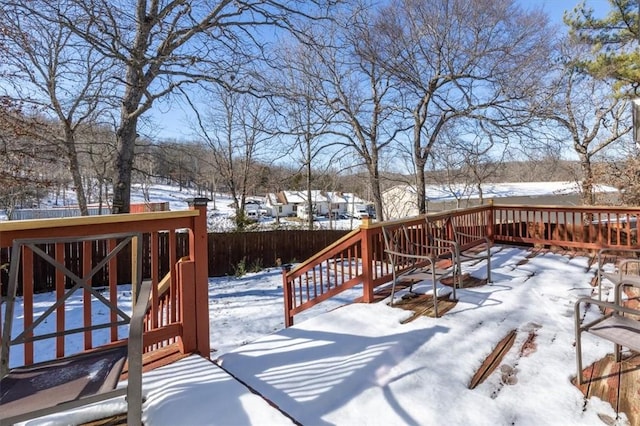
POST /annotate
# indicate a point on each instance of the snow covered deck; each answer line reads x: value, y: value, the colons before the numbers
x: 359, y: 364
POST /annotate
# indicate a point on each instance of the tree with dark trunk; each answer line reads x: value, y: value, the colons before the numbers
x: 586, y: 111
x: 162, y: 47
x: 52, y: 73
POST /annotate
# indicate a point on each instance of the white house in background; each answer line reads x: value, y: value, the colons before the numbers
x: 357, y: 207
x: 399, y: 201
x: 294, y: 203
x: 337, y: 203
x: 320, y: 203
x: 280, y: 206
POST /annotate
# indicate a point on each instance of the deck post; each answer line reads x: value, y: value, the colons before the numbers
x: 490, y: 220
x: 188, y: 299
x: 367, y: 260
x: 199, y: 254
x: 288, y: 297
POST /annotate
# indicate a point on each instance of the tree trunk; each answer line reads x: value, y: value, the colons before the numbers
x: 588, y: 196
x: 419, y: 118
x: 376, y: 192
x: 421, y: 184
x: 74, y: 168
x: 126, y: 140
x: 308, y: 182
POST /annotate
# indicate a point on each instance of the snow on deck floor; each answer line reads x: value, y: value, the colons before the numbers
x: 359, y: 365
x: 190, y: 392
x: 194, y: 391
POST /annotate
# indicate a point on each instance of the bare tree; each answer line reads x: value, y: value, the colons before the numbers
x: 484, y: 152
x: 162, y: 47
x: 457, y: 60
x: 306, y: 117
x: 24, y: 160
x: 234, y: 131
x: 588, y: 113
x: 360, y: 93
x: 53, y: 73
x: 100, y: 152
x: 468, y: 155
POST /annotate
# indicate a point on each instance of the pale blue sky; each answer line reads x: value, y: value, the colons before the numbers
x: 556, y: 8
x: 169, y: 118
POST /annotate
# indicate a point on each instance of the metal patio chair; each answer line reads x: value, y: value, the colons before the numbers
x: 75, y: 380
x: 628, y: 269
x: 462, y: 244
x: 616, y: 323
x: 414, y: 256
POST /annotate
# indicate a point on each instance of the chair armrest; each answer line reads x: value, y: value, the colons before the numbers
x: 626, y: 262
x: 484, y: 237
x: 454, y: 246
x: 614, y: 250
x: 620, y: 273
x: 410, y: 256
x: 436, y: 247
x: 605, y: 305
x: 630, y: 280
x: 136, y: 324
x: 442, y: 240
x: 141, y: 304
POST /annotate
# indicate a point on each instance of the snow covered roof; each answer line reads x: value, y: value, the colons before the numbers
x: 293, y: 197
x: 335, y: 197
x: 353, y: 198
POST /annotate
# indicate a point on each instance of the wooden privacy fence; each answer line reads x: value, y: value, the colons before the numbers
x: 265, y: 248
x: 358, y: 258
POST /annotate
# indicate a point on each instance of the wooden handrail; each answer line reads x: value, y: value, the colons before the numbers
x: 20, y: 225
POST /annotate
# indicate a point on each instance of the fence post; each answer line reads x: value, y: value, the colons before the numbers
x: 198, y: 249
x: 367, y: 260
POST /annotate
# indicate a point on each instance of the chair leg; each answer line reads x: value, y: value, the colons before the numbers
x: 578, y: 336
x: 435, y: 289
x: 393, y: 286
x: 458, y: 271
x: 579, y: 356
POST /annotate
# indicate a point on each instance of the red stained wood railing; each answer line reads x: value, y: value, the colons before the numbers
x: 179, y: 315
x: 579, y: 228
x: 358, y: 258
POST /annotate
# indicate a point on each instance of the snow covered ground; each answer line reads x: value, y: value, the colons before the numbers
x: 358, y: 365
x: 220, y: 212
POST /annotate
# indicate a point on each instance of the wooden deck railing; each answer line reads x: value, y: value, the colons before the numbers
x: 358, y: 258
x: 586, y: 228
x: 179, y: 315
